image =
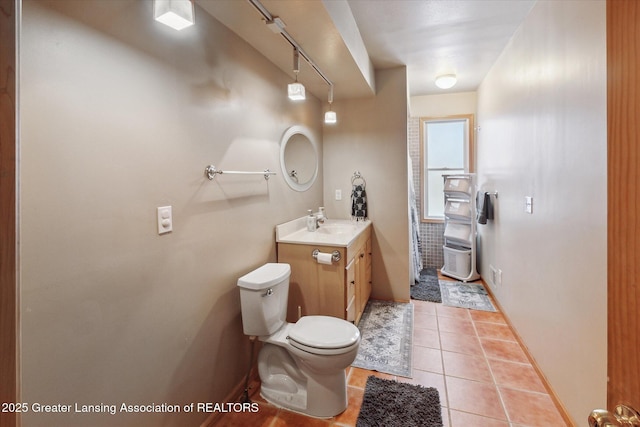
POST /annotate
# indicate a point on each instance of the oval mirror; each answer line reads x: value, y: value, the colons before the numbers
x: 299, y: 158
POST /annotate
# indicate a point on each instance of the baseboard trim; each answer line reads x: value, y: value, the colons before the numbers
x: 556, y: 400
x: 236, y: 395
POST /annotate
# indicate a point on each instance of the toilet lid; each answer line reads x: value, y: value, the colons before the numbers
x: 324, y: 332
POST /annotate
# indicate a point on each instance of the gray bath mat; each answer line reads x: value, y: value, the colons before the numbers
x: 465, y: 295
x: 428, y: 288
x: 389, y: 403
x: 386, y: 330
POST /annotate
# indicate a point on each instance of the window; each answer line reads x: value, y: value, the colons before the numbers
x: 446, y: 147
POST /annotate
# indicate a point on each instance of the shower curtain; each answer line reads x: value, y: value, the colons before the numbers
x: 416, y: 256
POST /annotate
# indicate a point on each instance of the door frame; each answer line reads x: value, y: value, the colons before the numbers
x: 9, y: 320
x: 623, y: 188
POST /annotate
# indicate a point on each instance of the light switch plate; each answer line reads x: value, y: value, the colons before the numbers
x: 528, y: 204
x: 165, y: 219
x: 338, y: 194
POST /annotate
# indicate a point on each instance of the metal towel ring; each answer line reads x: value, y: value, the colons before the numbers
x: 356, y: 176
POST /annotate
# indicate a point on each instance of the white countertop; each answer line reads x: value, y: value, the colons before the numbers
x: 336, y: 232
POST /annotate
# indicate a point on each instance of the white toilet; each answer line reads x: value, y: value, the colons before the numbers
x: 301, y: 365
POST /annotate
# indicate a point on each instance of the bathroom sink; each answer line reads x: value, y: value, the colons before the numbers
x: 334, y: 232
x: 336, y: 229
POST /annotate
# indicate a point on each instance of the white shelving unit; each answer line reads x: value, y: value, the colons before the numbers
x: 460, y: 227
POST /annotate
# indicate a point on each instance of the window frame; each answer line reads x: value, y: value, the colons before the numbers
x: 469, y: 152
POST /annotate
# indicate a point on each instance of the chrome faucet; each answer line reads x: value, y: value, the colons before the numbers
x: 321, y: 216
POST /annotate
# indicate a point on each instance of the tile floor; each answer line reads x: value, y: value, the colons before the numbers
x: 471, y: 357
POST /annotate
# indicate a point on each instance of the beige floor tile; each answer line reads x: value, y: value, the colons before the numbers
x: 426, y: 337
x: 427, y: 359
x: 503, y: 350
x: 519, y: 376
x: 530, y: 409
x: 467, y: 344
x: 474, y: 397
x: 494, y: 330
x: 466, y: 366
x: 464, y: 419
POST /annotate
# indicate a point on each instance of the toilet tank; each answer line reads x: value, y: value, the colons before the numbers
x: 263, y: 297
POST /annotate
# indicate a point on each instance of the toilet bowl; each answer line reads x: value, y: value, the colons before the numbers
x: 301, y: 365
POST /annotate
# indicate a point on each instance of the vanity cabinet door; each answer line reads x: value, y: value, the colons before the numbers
x: 363, y: 278
x: 359, y: 273
x: 350, y: 300
x: 357, y: 265
x: 314, y: 289
x: 365, y: 274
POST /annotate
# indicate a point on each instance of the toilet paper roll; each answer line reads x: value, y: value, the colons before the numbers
x: 324, y: 258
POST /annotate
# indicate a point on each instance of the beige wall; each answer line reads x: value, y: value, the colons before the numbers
x: 446, y: 104
x: 371, y: 137
x: 542, y: 113
x: 120, y: 115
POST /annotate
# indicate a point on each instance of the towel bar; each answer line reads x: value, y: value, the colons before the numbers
x: 211, y: 171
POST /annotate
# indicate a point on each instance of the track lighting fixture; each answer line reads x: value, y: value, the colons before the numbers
x: 296, y: 90
x: 330, y: 117
x: 177, y: 14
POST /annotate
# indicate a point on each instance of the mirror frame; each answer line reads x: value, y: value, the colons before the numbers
x: 306, y: 132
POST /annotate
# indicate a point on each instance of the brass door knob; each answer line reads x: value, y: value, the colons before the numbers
x: 623, y: 416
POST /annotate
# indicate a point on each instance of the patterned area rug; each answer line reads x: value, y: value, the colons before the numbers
x: 393, y: 404
x: 386, y: 329
x: 465, y: 295
x: 428, y: 288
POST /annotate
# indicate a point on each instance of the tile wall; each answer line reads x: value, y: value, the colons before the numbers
x: 431, y: 234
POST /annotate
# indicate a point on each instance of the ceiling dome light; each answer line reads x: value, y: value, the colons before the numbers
x: 177, y: 14
x: 446, y: 81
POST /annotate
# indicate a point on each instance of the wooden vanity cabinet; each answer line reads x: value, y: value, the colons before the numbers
x: 364, y: 278
x: 341, y: 289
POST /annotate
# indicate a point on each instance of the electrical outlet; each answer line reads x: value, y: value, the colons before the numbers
x: 494, y: 275
x: 338, y: 194
x: 165, y: 219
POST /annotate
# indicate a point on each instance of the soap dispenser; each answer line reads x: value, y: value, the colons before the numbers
x: 311, y: 221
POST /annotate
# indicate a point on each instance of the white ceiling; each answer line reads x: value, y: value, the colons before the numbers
x: 430, y: 37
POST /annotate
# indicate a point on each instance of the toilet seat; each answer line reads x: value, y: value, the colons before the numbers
x: 323, y: 335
